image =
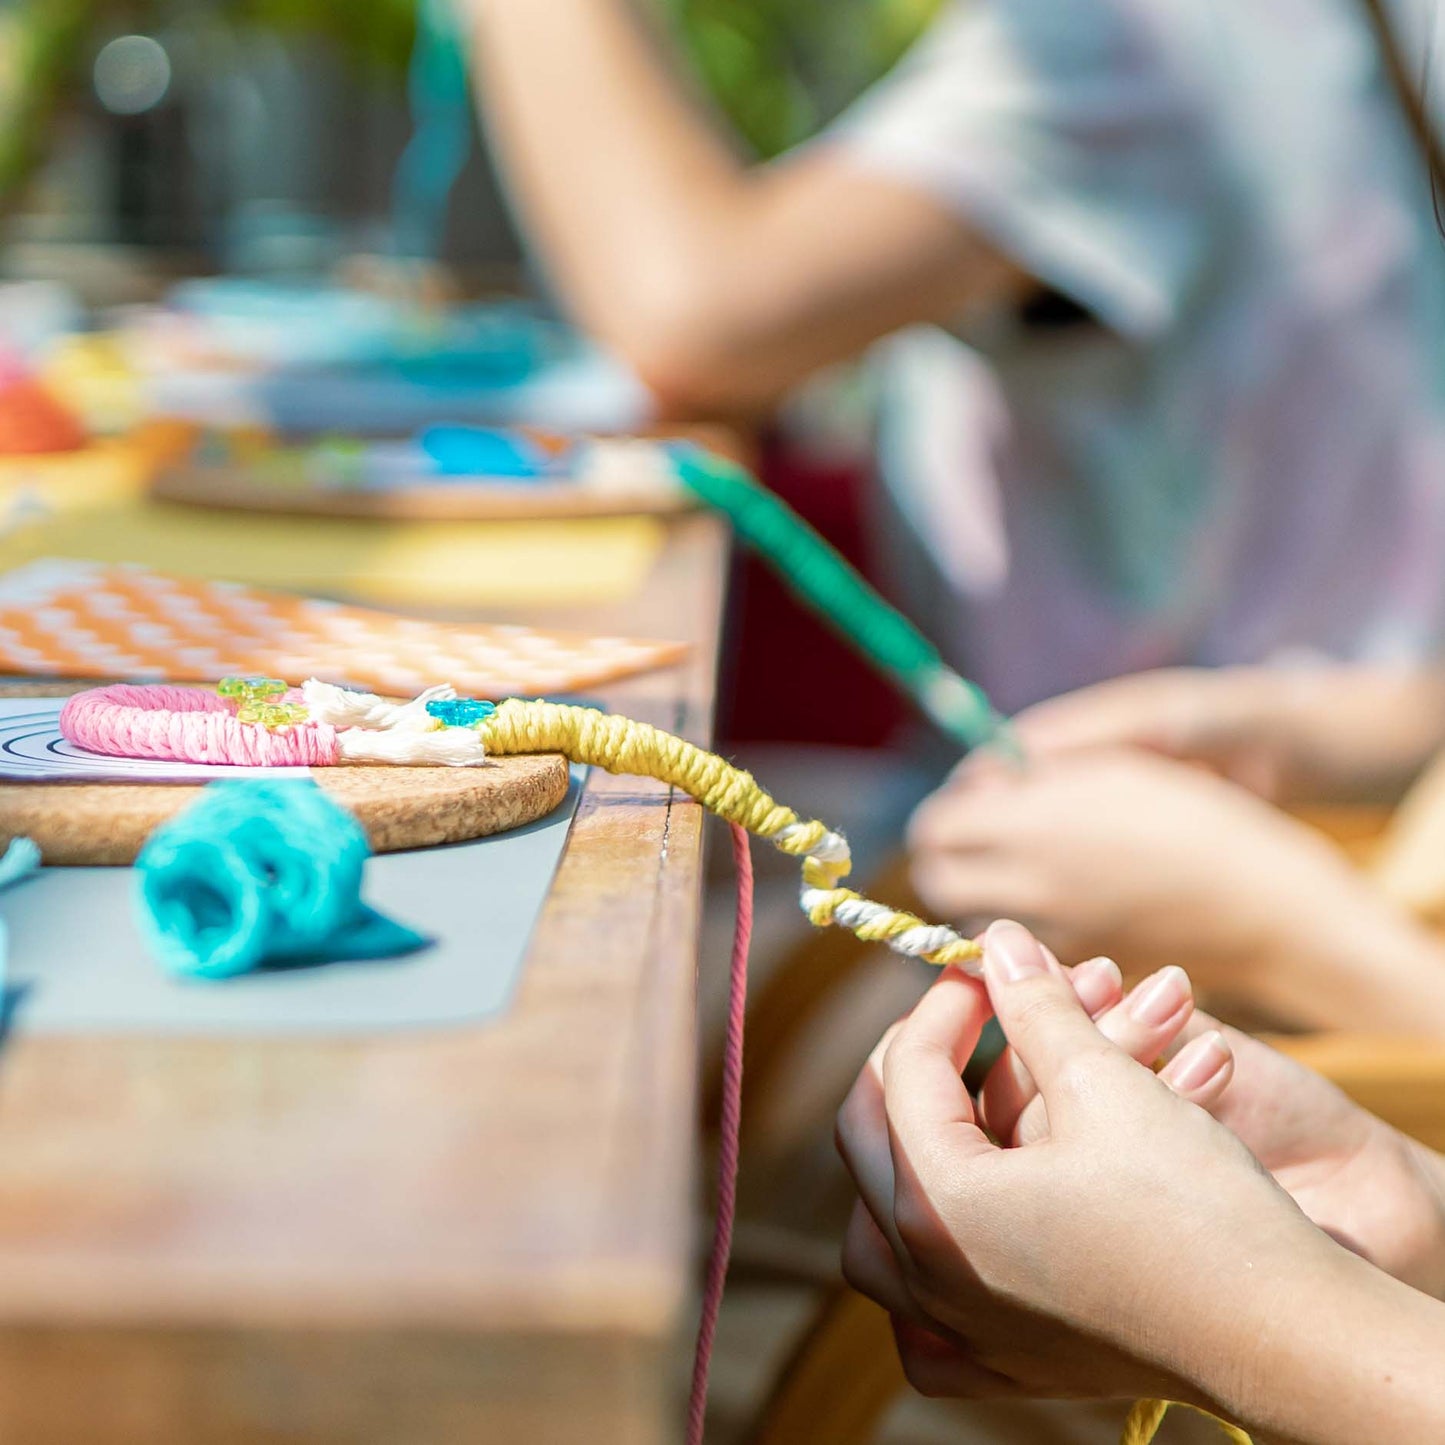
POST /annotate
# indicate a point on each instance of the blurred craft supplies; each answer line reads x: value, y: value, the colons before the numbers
x: 304, y: 358
x: 33, y: 420
x: 77, y: 619
x: 445, y: 472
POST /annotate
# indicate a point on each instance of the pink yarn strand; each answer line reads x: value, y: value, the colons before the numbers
x: 187, y: 725
x: 729, y: 1142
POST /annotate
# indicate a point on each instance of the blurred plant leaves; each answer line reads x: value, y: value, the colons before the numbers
x: 779, y: 69
x: 782, y: 69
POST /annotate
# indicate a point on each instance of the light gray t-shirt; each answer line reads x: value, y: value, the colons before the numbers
x: 1239, y: 454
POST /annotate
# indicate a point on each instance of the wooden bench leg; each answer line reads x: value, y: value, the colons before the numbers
x: 840, y: 1381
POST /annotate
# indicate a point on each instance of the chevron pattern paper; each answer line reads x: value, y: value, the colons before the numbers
x: 84, y: 619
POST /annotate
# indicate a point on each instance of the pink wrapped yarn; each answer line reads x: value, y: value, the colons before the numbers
x: 188, y: 725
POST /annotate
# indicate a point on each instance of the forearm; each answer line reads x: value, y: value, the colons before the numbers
x: 1427, y: 1268
x: 722, y: 284
x: 1334, y: 1352
x: 1350, y: 958
x: 613, y: 166
x: 1361, y: 733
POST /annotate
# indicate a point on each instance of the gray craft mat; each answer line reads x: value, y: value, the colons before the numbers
x: 77, y: 963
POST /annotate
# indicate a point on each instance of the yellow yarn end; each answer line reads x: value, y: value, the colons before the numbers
x: 964, y: 951
x: 818, y: 874
x: 1143, y: 1422
x: 1147, y: 1416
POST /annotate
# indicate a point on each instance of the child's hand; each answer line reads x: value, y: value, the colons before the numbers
x: 1129, y: 1252
x: 1146, y: 1023
x: 1149, y: 861
x: 1225, y: 718
x: 1323, y: 734
x: 1127, y: 855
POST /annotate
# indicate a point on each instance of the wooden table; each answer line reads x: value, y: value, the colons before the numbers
x: 480, y: 1235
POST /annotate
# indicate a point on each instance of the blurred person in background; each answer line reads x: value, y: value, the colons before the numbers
x: 1190, y: 247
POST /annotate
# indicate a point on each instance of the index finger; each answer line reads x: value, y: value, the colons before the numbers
x: 927, y: 1104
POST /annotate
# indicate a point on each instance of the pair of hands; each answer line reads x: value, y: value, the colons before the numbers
x: 1116, y: 1239
x: 1136, y: 829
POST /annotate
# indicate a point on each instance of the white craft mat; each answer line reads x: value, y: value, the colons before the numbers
x: 78, y: 965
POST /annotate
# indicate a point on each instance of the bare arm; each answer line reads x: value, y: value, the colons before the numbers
x: 723, y: 284
x: 1345, y: 1354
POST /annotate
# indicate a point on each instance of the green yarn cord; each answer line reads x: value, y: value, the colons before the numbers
x: 827, y: 583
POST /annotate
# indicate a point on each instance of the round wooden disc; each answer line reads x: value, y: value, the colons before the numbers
x: 400, y: 807
x: 479, y: 500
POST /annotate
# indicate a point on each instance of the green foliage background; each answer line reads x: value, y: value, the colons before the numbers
x: 781, y: 69
x: 778, y: 68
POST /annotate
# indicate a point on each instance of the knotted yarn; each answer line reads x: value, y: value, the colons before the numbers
x: 621, y: 745
x: 260, y: 872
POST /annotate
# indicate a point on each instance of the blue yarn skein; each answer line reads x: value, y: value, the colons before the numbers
x: 257, y: 872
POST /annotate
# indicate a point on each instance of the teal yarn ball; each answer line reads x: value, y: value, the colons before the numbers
x: 254, y: 872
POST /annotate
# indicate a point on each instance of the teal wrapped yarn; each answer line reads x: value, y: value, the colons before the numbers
x: 827, y: 583
x: 260, y: 872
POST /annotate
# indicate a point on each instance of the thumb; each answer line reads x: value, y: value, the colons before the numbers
x: 1037, y: 1008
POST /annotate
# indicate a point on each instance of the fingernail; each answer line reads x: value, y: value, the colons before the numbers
x: 1097, y: 982
x: 1158, y: 999
x: 1014, y: 952
x: 1207, y: 1056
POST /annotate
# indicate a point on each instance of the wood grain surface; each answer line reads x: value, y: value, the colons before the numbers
x: 108, y: 823
x: 482, y: 1234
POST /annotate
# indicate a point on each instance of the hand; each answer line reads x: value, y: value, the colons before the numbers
x: 1367, y: 1185
x: 1134, y: 1250
x: 1373, y: 1189
x: 1323, y: 734
x: 1224, y: 718
x: 1145, y: 1023
x: 1141, y: 859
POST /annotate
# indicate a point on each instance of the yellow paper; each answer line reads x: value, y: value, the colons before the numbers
x: 106, y: 473
x: 442, y: 564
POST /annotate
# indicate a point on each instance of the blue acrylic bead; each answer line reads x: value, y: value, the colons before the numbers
x: 460, y: 712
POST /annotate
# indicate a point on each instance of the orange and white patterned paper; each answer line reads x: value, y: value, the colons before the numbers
x: 83, y: 619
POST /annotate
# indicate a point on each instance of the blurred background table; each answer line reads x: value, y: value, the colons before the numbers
x: 482, y: 1234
